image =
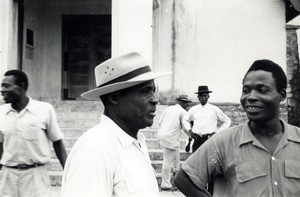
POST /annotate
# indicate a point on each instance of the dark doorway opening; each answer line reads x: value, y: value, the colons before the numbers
x: 86, y: 43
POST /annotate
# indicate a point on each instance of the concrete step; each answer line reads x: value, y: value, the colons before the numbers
x: 54, y: 165
x: 151, y: 143
x: 85, y: 124
x: 56, y: 177
x: 154, y: 154
x: 157, y: 154
x: 77, y: 132
x: 78, y: 123
x: 82, y: 114
x: 76, y: 106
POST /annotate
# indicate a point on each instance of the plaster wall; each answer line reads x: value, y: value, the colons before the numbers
x: 214, y: 43
x: 8, y: 36
x: 132, y: 27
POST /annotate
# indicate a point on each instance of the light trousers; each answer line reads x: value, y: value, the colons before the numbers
x: 170, y: 166
x: 33, y: 182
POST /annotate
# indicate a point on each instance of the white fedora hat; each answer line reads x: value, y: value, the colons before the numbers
x: 119, y: 73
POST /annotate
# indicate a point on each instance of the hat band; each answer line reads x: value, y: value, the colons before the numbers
x: 128, y: 76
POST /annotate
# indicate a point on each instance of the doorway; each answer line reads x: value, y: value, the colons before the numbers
x: 86, y: 44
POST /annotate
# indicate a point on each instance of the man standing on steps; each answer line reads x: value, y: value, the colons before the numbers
x: 258, y: 158
x: 111, y: 159
x: 205, y: 117
x: 26, y: 126
x: 171, y: 126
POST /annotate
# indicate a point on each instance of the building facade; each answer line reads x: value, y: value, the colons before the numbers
x: 213, y: 42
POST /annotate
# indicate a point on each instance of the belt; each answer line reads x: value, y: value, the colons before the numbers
x: 25, y: 166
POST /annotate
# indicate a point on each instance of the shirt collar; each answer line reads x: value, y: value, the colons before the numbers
x: 28, y: 107
x: 8, y: 108
x: 290, y: 134
x: 247, y: 136
x: 124, y: 139
x: 204, y: 106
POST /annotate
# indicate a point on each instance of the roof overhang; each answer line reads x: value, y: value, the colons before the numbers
x: 296, y: 4
x: 292, y: 9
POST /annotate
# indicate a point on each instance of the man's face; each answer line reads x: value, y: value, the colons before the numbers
x: 260, y: 98
x: 137, y: 105
x: 185, y: 105
x: 10, y: 91
x: 203, y: 98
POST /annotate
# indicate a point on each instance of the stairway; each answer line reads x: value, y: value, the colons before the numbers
x: 75, y: 117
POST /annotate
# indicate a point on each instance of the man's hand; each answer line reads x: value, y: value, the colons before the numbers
x: 188, y: 146
x: 192, y: 134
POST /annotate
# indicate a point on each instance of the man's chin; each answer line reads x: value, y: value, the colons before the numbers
x: 149, y: 123
x: 7, y: 100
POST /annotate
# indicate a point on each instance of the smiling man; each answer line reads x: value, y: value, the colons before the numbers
x: 258, y: 158
x: 26, y: 127
x: 111, y: 159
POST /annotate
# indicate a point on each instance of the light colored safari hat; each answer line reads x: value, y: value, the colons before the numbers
x: 119, y: 73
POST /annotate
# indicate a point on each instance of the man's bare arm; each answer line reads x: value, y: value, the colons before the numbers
x: 1, y: 152
x: 60, y: 152
x: 187, y: 187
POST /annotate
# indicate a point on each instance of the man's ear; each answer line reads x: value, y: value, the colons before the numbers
x: 283, y: 94
x: 114, y: 98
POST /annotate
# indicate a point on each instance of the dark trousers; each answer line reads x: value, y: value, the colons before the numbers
x: 197, y: 143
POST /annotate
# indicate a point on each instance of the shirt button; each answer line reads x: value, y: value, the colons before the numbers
x: 273, y: 158
x: 275, y: 183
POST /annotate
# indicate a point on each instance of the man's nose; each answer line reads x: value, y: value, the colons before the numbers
x: 252, y: 95
x: 154, y: 99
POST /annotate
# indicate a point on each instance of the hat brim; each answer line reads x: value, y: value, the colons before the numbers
x: 188, y: 101
x: 95, y: 93
x: 203, y: 92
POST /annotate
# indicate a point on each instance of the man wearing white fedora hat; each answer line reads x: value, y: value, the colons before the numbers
x: 111, y: 159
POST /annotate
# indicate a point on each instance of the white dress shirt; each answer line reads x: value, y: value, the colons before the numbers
x: 171, y: 126
x: 106, y: 161
x: 206, y: 119
x: 26, y: 135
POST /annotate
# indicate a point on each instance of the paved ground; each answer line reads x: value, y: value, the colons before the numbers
x: 55, y: 192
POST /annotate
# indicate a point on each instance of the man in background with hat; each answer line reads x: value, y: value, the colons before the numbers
x: 111, y: 159
x: 171, y: 126
x: 206, y: 118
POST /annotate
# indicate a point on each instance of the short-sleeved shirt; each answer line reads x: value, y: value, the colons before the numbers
x: 106, y: 161
x: 243, y: 167
x: 26, y: 135
x: 171, y: 126
x: 206, y: 119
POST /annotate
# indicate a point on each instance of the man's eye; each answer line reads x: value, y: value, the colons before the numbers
x: 263, y: 90
x: 246, y: 90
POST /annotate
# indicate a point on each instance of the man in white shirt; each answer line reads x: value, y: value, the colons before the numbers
x: 206, y: 118
x: 26, y: 128
x: 111, y: 159
x: 168, y: 134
